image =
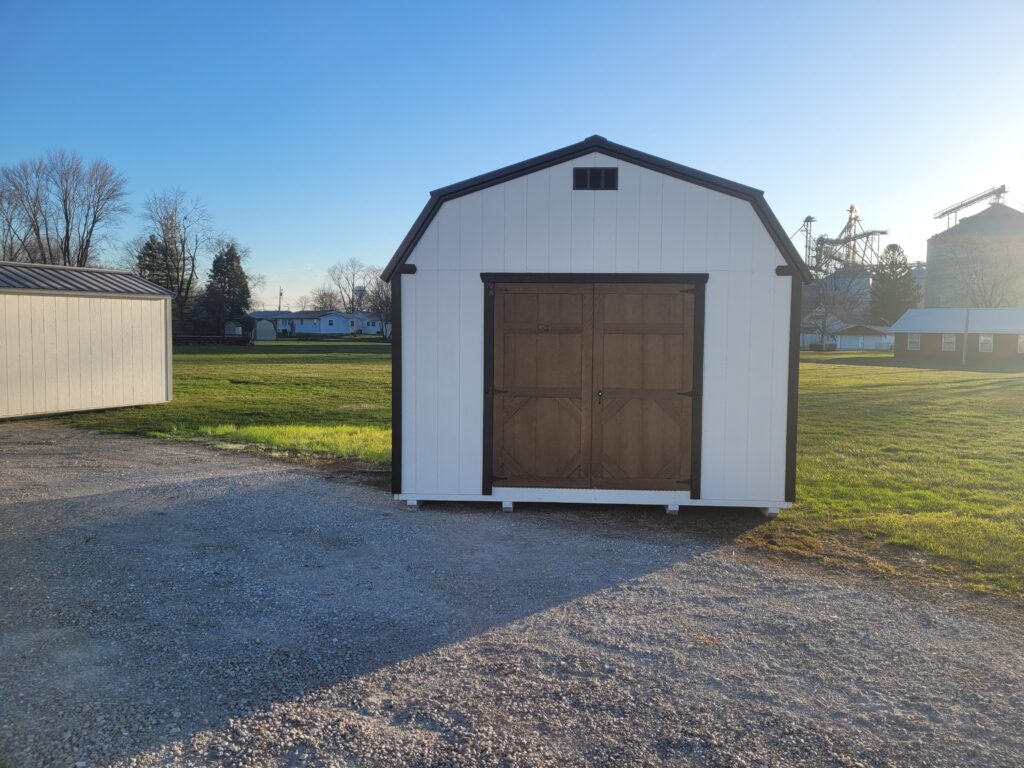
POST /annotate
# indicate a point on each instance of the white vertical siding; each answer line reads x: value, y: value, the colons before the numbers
x: 627, y: 219
x: 515, y: 225
x: 538, y: 208
x: 559, y: 218
x: 649, y: 234
x: 427, y: 434
x: 449, y: 395
x: 652, y: 223
x: 471, y: 396
x: 492, y: 239
x: 64, y: 353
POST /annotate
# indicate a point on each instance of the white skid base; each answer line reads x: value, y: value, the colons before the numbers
x: 670, y: 501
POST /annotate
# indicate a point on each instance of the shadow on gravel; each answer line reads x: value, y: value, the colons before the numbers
x: 141, y: 616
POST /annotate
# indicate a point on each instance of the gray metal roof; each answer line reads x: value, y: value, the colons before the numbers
x: 941, y: 320
x: 856, y: 329
x: 267, y: 314
x: 46, y: 278
x: 287, y: 314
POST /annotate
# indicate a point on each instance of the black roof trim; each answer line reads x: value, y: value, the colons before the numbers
x: 56, y: 278
x: 600, y: 144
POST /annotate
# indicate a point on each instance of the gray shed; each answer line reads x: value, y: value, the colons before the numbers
x: 263, y: 330
x: 76, y: 339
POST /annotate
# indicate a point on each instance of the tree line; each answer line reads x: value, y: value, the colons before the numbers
x: 878, y: 294
x: 58, y: 209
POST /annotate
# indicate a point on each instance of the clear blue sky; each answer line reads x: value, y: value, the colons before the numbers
x: 313, y: 131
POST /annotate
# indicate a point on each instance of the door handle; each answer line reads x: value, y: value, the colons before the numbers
x: 600, y: 394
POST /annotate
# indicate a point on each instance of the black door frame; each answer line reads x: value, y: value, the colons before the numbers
x: 699, y: 281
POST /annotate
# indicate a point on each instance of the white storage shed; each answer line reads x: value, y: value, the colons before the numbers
x: 596, y: 325
x: 263, y: 330
x: 75, y: 339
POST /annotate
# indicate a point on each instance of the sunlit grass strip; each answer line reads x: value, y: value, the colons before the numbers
x: 369, y: 444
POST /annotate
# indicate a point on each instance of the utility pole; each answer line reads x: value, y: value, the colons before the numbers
x: 280, y: 295
x: 967, y: 333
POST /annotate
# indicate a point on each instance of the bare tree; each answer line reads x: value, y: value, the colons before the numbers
x: 350, y: 279
x: 839, y: 297
x: 324, y: 299
x: 378, y: 301
x: 57, y: 209
x: 303, y: 303
x: 180, y: 237
x: 986, y: 277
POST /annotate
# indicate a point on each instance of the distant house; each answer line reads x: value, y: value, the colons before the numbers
x: 307, y: 322
x: 811, y: 330
x: 864, y: 337
x: 366, y: 322
x: 233, y: 328
x: 317, y: 323
x: 977, y: 337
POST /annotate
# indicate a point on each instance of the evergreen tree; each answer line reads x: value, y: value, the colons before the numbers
x: 151, y: 262
x: 226, y: 295
x: 893, y: 287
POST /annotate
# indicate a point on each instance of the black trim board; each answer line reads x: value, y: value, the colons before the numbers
x: 698, y: 280
x: 487, y: 480
x: 396, y: 376
x: 697, y: 415
x: 600, y: 144
x: 793, y: 394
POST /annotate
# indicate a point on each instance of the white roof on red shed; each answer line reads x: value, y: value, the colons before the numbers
x: 1002, y: 320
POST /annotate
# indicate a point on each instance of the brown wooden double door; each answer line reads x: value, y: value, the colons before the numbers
x: 593, y: 385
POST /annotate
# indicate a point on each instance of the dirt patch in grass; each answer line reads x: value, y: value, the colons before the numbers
x: 872, y: 556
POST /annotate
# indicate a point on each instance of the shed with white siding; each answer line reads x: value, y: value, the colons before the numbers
x: 76, y: 339
x: 596, y: 325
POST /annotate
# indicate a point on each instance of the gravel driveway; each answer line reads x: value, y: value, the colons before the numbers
x: 167, y: 604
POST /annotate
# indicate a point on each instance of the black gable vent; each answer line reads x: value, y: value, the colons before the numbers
x: 595, y: 178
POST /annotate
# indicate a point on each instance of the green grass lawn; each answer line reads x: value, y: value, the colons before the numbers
x: 931, y: 460
x: 927, y: 459
x: 330, y: 398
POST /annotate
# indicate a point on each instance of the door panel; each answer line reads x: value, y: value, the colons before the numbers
x: 543, y: 337
x: 593, y: 385
x: 643, y: 382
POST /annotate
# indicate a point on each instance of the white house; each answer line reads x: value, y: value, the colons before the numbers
x: 76, y: 338
x: 366, y: 322
x: 319, y: 323
x: 596, y: 325
x: 307, y: 322
x: 862, y: 336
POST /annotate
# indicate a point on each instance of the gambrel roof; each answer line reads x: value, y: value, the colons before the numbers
x: 600, y: 144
